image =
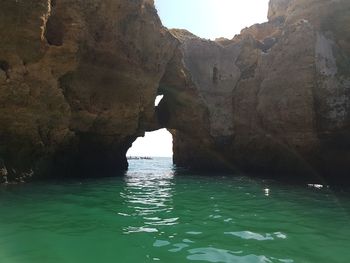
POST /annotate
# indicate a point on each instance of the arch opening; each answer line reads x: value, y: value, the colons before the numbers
x: 158, y: 100
x: 155, y: 144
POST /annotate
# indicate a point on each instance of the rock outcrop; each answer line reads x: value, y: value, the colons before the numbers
x: 78, y: 80
x: 277, y: 95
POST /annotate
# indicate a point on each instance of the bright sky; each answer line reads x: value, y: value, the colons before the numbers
x: 207, y: 19
x: 154, y: 144
x: 212, y: 18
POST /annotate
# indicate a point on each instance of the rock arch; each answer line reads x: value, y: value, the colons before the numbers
x: 74, y: 107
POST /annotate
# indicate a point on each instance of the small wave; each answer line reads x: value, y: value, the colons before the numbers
x: 161, y: 243
x: 130, y: 230
x: 210, y: 254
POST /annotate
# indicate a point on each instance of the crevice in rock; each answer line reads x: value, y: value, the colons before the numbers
x: 4, y: 65
x: 66, y: 83
x: 163, y: 113
x: 215, y: 74
x: 266, y: 45
x: 54, y: 32
x: 53, y: 3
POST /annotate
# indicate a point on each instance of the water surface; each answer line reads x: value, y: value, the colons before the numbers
x: 154, y: 215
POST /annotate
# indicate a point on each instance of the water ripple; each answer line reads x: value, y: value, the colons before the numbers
x: 149, y: 196
x: 130, y: 230
x: 210, y: 254
x: 256, y: 236
x: 151, y: 215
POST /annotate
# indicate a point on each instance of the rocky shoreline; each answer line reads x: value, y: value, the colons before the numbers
x: 13, y: 176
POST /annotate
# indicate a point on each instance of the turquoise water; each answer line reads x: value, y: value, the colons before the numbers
x: 156, y: 215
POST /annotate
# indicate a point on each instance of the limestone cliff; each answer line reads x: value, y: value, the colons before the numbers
x: 277, y: 94
x: 78, y: 81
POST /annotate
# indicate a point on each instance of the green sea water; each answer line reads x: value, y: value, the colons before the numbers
x: 155, y: 214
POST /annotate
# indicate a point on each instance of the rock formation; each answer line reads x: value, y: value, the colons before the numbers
x: 78, y: 81
x: 277, y: 95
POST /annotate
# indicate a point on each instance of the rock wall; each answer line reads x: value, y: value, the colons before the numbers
x: 277, y: 95
x: 78, y: 80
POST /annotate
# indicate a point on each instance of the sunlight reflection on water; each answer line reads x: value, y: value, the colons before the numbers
x: 156, y: 213
x: 149, y: 196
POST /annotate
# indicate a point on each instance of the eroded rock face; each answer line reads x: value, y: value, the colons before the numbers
x: 277, y: 95
x: 78, y: 81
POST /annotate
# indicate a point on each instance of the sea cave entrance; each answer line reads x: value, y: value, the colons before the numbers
x: 157, y: 143
x: 153, y: 145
